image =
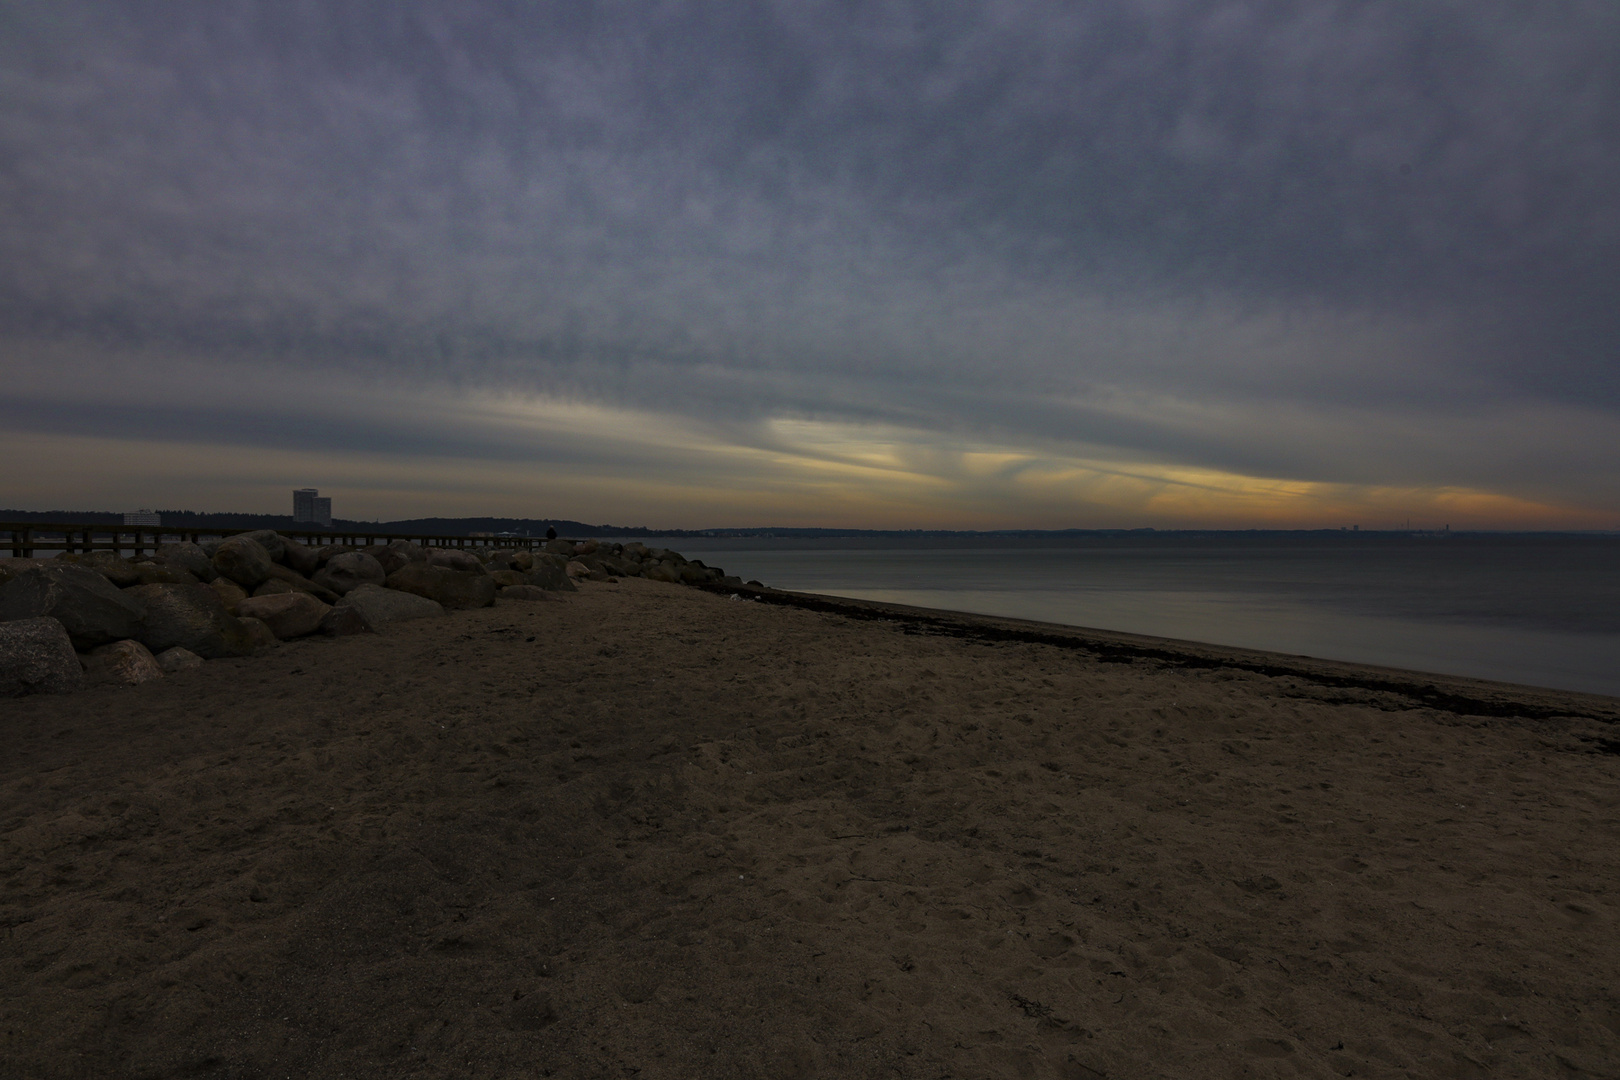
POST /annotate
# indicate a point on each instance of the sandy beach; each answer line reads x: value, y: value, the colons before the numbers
x: 653, y: 831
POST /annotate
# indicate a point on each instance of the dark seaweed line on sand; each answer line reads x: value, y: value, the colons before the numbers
x: 1422, y: 695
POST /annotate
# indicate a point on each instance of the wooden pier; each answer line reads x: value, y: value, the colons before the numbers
x: 22, y: 539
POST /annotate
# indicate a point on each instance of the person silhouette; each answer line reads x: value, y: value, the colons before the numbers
x: 551, y: 532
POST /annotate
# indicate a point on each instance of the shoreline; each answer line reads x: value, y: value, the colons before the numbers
x: 1452, y: 693
x: 653, y: 829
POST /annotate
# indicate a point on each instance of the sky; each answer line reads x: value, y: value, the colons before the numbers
x: 976, y: 265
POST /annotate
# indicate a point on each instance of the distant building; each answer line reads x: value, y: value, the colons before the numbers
x: 143, y: 517
x: 310, y: 508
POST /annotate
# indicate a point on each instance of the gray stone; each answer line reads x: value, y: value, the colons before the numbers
x: 394, y: 555
x: 548, y: 575
x: 37, y: 657
x: 10, y: 568
x: 259, y: 632
x: 452, y: 588
x: 230, y: 593
x: 345, y: 572
x: 272, y: 542
x: 528, y: 592
x: 123, y: 663
x: 188, y: 557
x: 455, y: 559
x: 503, y: 578
x: 560, y: 547
x: 323, y: 554
x: 288, y: 614
x: 379, y: 605
x: 109, y: 564
x: 296, y: 556
x: 293, y: 579
x: 192, y: 617
x: 92, y: 609
x: 343, y: 620
x: 661, y: 571
x: 155, y: 573
x: 243, y: 560
x: 178, y: 659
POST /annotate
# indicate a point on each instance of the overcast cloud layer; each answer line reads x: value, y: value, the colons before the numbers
x: 1111, y: 263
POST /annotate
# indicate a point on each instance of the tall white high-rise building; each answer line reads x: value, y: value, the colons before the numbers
x: 321, y: 511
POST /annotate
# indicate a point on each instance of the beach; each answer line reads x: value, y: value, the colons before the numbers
x: 657, y: 831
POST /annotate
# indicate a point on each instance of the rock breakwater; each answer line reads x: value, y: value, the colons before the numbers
x: 96, y: 617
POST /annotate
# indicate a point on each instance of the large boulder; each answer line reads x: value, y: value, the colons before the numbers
x: 661, y: 571
x: 274, y: 544
x: 343, y: 573
x: 452, y: 588
x: 258, y: 632
x: 93, y: 610
x: 298, y: 557
x: 178, y: 659
x: 288, y: 614
x: 379, y: 605
x: 10, y: 568
x: 560, y: 547
x: 342, y: 620
x: 522, y: 561
x: 323, y: 554
x: 396, y: 554
x: 456, y: 559
x: 192, y: 617
x: 503, y: 578
x: 547, y: 574
x: 37, y: 657
x: 230, y: 593
x: 244, y: 560
x: 282, y: 575
x: 188, y: 557
x: 123, y: 663
x: 156, y: 573
x: 109, y: 564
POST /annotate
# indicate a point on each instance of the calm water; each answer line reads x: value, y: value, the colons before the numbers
x: 1541, y: 610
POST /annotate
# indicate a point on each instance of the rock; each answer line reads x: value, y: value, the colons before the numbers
x: 344, y: 620
x: 578, y: 569
x: 522, y: 561
x: 93, y: 610
x: 178, y: 659
x: 192, y: 617
x: 273, y: 543
x: 586, y: 547
x: 288, y: 614
x: 188, y: 557
x: 455, y: 559
x: 348, y: 571
x: 322, y: 555
x: 694, y: 573
x: 243, y: 560
x: 507, y: 577
x: 296, y: 556
x: 661, y: 571
x: 396, y: 554
x: 259, y: 631
x: 452, y: 588
x: 121, y: 572
x: 123, y: 663
x: 528, y: 592
x: 634, y: 550
x: 380, y: 605
x: 293, y: 579
x: 155, y: 573
x: 10, y: 568
x: 550, y: 573
x: 37, y: 657
x: 230, y: 593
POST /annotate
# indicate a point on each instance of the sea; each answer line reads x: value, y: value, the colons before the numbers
x: 1536, y: 609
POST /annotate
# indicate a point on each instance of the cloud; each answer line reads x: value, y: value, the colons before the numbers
x: 1371, y: 244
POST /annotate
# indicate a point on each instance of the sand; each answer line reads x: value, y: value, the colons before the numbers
x: 654, y: 832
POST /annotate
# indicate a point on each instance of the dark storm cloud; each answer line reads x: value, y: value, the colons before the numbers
x: 992, y: 217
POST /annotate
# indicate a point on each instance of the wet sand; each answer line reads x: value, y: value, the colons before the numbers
x: 657, y: 832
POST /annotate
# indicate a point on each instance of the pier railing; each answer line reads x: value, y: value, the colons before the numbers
x: 22, y: 539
